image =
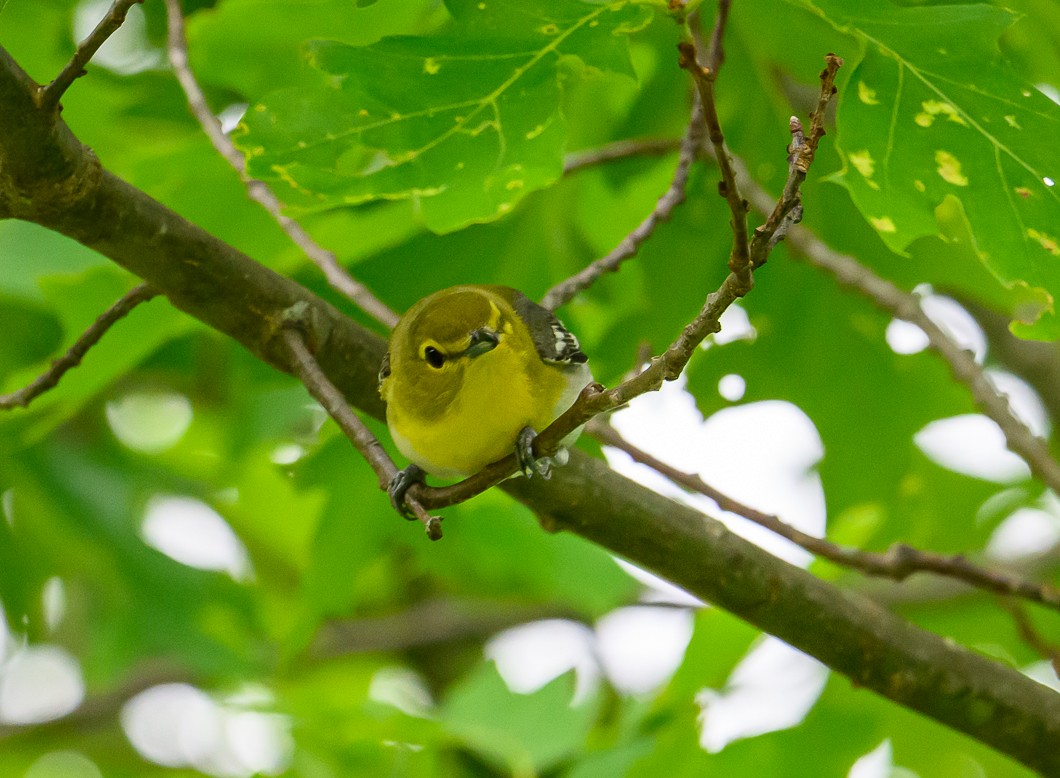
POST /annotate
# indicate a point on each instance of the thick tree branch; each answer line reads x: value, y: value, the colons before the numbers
x: 898, y: 563
x: 854, y: 636
x: 48, y: 96
x: 336, y: 275
x: 230, y: 292
x: 73, y: 356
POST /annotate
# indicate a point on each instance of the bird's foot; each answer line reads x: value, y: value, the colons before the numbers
x: 400, y: 484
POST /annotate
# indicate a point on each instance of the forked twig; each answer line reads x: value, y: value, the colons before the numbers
x: 73, y: 356
x: 48, y: 96
x: 596, y: 399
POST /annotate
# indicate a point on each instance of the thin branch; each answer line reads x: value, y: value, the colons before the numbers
x: 226, y: 290
x: 435, y: 621
x: 716, y: 53
x: 622, y: 149
x: 904, y: 305
x: 787, y: 212
x: 703, y: 77
x: 563, y: 292
x: 596, y: 399
x: 1029, y: 634
x: 48, y: 96
x: 304, y: 365
x: 72, y: 358
x: 898, y: 563
x: 336, y: 275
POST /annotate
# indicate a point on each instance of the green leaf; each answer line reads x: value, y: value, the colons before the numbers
x: 935, y: 128
x: 528, y: 733
x: 465, y: 123
x: 253, y: 59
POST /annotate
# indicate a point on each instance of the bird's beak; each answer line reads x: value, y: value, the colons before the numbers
x: 482, y: 340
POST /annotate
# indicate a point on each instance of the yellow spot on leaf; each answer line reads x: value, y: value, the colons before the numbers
x: 863, y: 162
x: 362, y: 113
x: 1047, y: 242
x: 431, y: 66
x: 1011, y: 120
x: 919, y: 185
x: 283, y: 175
x: 395, y: 117
x: 548, y: 29
x: 536, y: 131
x: 1023, y: 192
x: 867, y: 94
x: 259, y: 108
x: 933, y: 108
x: 883, y: 223
x: 481, y: 6
x: 514, y: 184
x: 949, y: 168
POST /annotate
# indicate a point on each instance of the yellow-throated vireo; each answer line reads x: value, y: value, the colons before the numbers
x: 472, y: 373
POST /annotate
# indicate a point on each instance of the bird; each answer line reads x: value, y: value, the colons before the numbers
x: 473, y: 372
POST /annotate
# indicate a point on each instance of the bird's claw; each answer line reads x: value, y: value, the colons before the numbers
x: 400, y: 484
x: 524, y: 455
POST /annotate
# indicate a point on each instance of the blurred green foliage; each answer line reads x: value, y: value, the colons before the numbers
x: 322, y: 543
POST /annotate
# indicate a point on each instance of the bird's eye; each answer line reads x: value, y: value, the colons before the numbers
x: 434, y: 357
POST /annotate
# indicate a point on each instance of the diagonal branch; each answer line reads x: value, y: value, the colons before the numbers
x: 226, y: 290
x: 48, y: 96
x: 904, y: 305
x: 72, y: 358
x: 305, y: 367
x: 620, y: 149
x: 336, y: 275
x: 563, y: 292
x: 703, y: 77
x: 898, y: 563
x: 596, y: 399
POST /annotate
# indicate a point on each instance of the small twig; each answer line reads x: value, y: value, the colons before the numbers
x: 716, y: 54
x: 622, y: 149
x: 898, y: 562
x: 336, y: 275
x: 72, y: 358
x: 48, y: 96
x: 703, y: 77
x: 563, y: 292
x: 1030, y: 635
x: 304, y: 365
x: 787, y: 212
x: 596, y: 399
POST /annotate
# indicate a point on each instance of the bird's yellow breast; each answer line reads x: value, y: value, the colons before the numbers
x: 500, y: 393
